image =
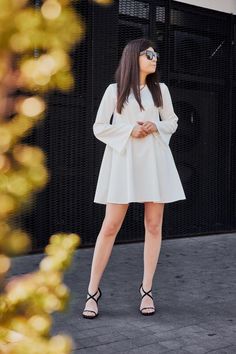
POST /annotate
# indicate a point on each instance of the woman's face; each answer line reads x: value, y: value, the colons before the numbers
x: 146, y: 65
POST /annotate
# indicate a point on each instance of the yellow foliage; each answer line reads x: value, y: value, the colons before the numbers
x: 34, y: 56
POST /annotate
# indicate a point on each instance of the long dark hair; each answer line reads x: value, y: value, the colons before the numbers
x: 127, y: 74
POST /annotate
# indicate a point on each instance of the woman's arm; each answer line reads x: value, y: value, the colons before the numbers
x: 169, y: 124
x: 115, y: 135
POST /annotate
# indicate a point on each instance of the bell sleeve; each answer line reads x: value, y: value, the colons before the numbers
x: 115, y: 135
x: 168, y: 125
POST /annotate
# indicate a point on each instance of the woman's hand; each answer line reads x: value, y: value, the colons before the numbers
x: 139, y: 131
x: 142, y: 129
x: 148, y: 126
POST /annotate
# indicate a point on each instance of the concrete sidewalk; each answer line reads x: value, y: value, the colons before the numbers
x: 194, y: 292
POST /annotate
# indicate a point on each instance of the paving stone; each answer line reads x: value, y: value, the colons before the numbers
x: 194, y: 292
x: 172, y: 344
x: 196, y: 349
x: 177, y: 351
x: 227, y: 350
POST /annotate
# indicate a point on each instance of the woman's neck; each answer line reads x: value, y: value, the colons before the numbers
x: 142, y: 79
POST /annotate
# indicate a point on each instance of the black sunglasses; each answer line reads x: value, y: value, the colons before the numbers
x: 150, y: 54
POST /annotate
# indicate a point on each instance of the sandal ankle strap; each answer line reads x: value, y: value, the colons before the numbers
x: 92, y: 296
x: 146, y: 293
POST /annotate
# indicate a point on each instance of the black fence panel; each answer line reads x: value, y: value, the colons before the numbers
x: 198, y: 63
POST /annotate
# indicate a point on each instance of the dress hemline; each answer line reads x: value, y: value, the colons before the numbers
x: 136, y: 201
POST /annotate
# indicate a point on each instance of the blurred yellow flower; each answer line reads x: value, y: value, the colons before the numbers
x: 51, y: 9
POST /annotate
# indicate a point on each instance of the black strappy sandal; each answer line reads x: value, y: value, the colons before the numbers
x: 92, y: 297
x: 146, y: 293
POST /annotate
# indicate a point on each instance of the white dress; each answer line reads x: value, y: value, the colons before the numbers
x: 136, y: 169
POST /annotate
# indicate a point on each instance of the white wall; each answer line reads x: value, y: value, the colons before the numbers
x: 219, y: 5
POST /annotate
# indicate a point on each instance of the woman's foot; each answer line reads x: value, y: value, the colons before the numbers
x: 147, y: 305
x: 91, y: 307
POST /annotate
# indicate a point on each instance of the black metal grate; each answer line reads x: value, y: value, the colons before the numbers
x: 134, y: 8
x: 198, y: 76
x: 198, y: 63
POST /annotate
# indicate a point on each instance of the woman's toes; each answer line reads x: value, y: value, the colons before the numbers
x: 148, y: 310
x: 90, y: 305
x: 147, y: 302
x: 90, y: 313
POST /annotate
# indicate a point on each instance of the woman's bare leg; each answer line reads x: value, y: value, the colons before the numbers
x: 153, y: 219
x: 114, y: 216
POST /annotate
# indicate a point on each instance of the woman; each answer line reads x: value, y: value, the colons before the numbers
x: 137, y: 164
